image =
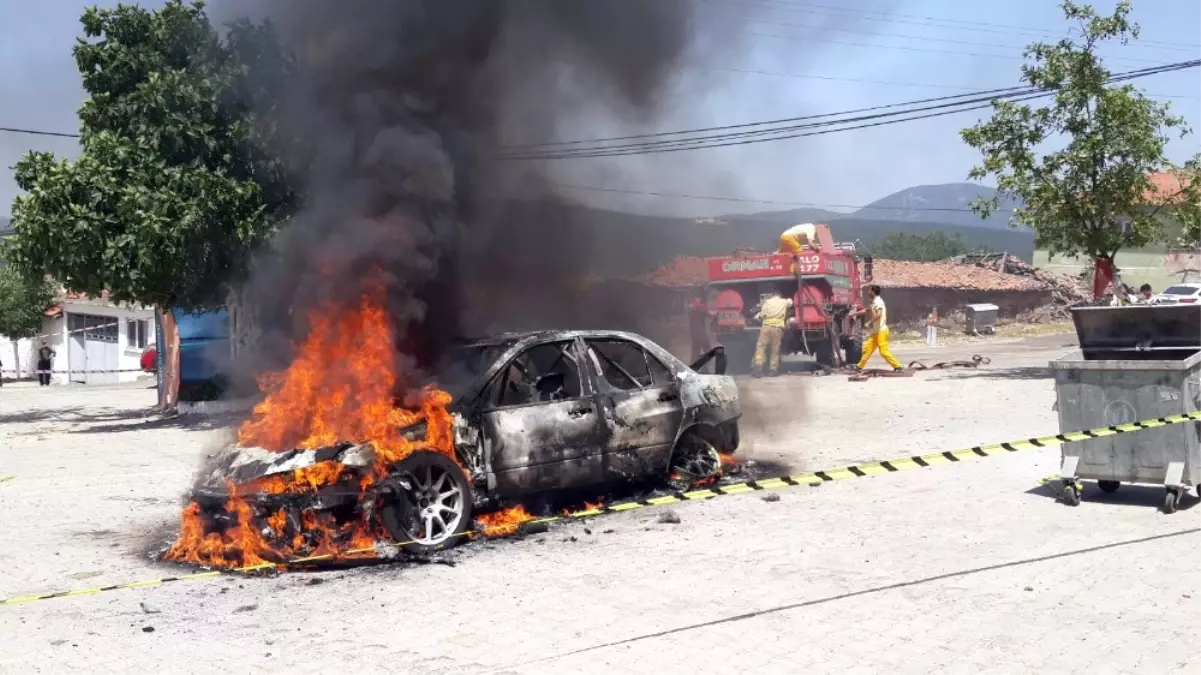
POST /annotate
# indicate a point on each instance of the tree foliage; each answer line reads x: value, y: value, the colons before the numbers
x: 22, y: 303
x: 179, y: 179
x: 917, y: 247
x: 1092, y: 195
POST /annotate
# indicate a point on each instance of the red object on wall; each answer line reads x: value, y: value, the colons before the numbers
x: 1102, y: 277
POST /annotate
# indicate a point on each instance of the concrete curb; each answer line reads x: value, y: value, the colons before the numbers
x: 214, y: 407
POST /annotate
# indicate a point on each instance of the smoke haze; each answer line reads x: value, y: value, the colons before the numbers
x: 406, y: 103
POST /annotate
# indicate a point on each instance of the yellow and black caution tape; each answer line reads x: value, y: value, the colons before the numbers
x: 811, y: 479
x: 5, y: 479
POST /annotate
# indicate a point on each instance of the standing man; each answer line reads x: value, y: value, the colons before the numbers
x: 45, y: 361
x: 877, y: 325
x: 699, y: 320
x: 932, y: 328
x: 773, y: 314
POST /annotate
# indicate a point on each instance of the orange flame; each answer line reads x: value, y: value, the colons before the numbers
x: 505, y: 521
x: 339, y: 388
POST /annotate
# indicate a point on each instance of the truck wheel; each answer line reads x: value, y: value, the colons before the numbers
x: 853, y: 348
x: 823, y: 352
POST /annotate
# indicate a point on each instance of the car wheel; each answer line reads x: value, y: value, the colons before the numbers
x: 434, y: 510
x: 693, y: 460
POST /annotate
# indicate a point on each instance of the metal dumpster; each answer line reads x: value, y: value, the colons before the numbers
x: 1135, y: 363
x: 980, y: 318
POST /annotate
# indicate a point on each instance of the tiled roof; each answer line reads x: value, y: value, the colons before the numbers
x: 902, y: 274
x: 1165, y: 187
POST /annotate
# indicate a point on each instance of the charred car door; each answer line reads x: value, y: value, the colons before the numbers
x: 540, y: 422
x: 642, y: 407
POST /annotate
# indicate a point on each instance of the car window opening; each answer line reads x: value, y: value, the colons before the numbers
x: 541, y: 374
x: 623, y: 364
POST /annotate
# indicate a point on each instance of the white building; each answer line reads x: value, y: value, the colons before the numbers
x: 95, y: 341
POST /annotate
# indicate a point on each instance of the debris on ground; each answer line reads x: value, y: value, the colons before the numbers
x: 771, y: 497
x: 669, y: 518
x: 245, y: 608
x: 147, y: 629
x: 147, y: 610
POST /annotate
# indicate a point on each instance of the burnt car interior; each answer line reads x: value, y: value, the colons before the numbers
x: 545, y: 372
x: 626, y: 366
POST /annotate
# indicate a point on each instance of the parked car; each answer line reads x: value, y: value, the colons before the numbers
x: 533, y: 413
x: 1178, y: 294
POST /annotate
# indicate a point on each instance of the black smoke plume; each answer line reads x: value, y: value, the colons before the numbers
x: 406, y: 103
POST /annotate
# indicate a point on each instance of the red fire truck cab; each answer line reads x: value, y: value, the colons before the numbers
x: 826, y: 285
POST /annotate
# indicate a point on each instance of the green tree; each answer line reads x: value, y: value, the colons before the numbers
x: 179, y: 179
x: 917, y: 247
x: 22, y: 303
x: 1081, y: 164
x: 22, y: 308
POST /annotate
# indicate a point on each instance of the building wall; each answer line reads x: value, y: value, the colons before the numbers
x: 908, y: 307
x: 129, y: 354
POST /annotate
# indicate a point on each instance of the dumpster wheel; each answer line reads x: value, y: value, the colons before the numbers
x: 1171, y: 501
x: 1071, y: 495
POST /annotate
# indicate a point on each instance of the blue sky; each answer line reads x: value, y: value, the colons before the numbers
x: 810, y: 56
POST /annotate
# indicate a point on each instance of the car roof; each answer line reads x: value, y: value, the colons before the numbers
x: 547, y: 335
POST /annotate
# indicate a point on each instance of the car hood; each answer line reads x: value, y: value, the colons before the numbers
x: 243, y: 465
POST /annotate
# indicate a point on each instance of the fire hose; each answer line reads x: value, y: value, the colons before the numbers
x: 974, y: 362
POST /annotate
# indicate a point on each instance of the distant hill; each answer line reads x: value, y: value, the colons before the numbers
x: 764, y: 232
x: 946, y: 203
x: 805, y: 215
x: 626, y: 244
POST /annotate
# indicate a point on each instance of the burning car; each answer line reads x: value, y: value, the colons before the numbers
x: 524, y: 415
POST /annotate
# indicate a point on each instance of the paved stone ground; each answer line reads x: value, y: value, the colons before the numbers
x: 968, y: 568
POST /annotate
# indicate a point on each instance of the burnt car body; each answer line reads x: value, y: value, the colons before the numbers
x: 533, y: 413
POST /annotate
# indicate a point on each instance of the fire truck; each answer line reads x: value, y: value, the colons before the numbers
x: 826, y: 286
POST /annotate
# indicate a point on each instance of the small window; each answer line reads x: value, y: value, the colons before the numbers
x: 623, y: 364
x: 136, y: 332
x: 541, y: 374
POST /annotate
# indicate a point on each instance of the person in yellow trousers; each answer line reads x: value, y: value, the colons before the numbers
x: 774, y: 315
x: 797, y: 237
x: 877, y: 324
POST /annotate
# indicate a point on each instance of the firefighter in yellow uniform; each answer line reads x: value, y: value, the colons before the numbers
x: 877, y: 315
x: 774, y: 315
x: 794, y: 240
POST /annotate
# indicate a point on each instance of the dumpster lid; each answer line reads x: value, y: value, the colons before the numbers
x: 1141, y: 327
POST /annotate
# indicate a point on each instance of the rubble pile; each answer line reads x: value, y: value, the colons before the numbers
x: 1066, y: 291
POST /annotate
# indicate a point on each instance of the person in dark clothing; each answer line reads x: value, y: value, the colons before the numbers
x: 45, y: 362
x: 700, y: 320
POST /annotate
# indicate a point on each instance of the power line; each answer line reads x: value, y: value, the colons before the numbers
x: 898, y: 18
x: 871, y: 45
x: 923, y: 85
x: 944, y: 105
x: 769, y: 202
x: 971, y: 43
x: 974, y: 94
x: 34, y: 132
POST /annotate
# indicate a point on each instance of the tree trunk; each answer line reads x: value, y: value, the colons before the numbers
x: 169, y: 372
x: 16, y: 362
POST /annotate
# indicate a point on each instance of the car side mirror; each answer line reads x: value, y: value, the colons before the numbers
x: 550, y: 383
x: 717, y: 355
